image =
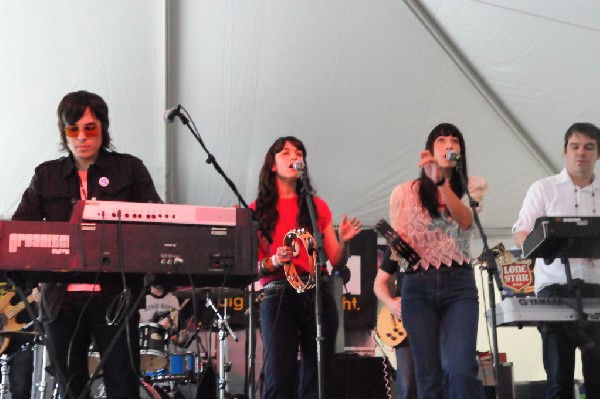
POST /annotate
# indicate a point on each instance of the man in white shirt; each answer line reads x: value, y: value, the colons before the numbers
x: 572, y: 192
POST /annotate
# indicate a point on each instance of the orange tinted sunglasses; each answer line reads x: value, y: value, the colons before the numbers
x: 91, y: 130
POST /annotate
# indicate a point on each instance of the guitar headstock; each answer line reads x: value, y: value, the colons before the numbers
x: 396, y: 242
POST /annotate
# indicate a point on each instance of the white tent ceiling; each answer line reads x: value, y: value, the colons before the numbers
x: 362, y: 83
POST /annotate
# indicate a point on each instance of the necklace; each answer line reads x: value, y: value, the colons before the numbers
x: 82, y: 186
x: 578, y: 197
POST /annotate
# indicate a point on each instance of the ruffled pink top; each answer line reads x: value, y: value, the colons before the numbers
x: 438, y: 241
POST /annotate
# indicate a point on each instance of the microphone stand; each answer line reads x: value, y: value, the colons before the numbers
x: 186, y: 120
x: 493, y: 276
x: 308, y: 198
x: 224, y: 331
x: 250, y: 343
x: 211, y: 159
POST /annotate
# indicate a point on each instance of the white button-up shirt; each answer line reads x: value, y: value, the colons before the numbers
x: 558, y: 196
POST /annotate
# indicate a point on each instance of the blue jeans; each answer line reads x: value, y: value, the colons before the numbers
x: 406, y: 385
x: 440, y: 310
x: 291, y: 326
x: 559, y: 342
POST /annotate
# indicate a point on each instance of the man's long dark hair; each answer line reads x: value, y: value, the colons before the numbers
x: 428, y: 193
x: 266, y: 202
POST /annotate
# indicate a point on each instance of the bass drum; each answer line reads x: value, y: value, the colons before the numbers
x: 147, y: 391
x: 153, y: 347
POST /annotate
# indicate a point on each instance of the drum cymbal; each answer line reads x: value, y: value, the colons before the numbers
x: 212, y: 292
x: 18, y: 334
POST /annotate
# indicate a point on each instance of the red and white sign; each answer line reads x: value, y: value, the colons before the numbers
x: 518, y: 276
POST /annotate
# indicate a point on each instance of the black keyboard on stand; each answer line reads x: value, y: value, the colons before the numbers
x: 579, y: 237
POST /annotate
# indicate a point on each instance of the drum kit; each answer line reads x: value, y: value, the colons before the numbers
x: 161, y: 364
x: 165, y: 368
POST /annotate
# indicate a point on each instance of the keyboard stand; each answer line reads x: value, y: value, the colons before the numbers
x: 575, y: 287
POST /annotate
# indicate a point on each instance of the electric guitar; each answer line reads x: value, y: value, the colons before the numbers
x: 389, y: 328
x: 8, y: 313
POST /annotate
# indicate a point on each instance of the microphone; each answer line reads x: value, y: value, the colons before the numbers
x: 300, y: 166
x: 171, y: 113
x: 453, y: 156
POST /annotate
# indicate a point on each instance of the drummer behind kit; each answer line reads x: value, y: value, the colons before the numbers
x: 166, y: 370
x: 155, y: 338
x: 166, y: 367
x: 163, y: 370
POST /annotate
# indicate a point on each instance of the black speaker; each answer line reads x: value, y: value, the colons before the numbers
x: 359, y: 377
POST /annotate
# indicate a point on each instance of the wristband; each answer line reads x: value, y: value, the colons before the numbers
x: 263, y: 266
x: 275, y: 261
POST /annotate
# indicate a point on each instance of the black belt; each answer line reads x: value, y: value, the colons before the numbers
x: 283, y: 283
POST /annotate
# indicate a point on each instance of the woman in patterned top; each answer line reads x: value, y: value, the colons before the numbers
x: 439, y: 298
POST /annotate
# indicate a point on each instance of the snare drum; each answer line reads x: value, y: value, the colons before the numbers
x: 153, y: 347
x: 182, y: 363
x: 182, y: 369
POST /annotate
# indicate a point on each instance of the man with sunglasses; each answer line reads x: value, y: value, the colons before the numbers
x: 76, y: 314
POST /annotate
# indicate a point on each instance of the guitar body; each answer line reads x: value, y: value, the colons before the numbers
x: 7, y: 317
x: 389, y: 328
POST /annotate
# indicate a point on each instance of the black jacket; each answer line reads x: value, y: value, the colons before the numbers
x: 55, y: 189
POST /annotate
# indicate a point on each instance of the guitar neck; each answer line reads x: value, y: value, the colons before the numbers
x: 13, y: 311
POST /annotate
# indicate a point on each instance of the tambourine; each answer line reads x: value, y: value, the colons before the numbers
x: 308, y: 241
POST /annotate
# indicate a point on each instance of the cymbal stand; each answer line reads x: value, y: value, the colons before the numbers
x: 41, y: 386
x: 172, y: 389
x: 4, y: 386
x: 224, y: 331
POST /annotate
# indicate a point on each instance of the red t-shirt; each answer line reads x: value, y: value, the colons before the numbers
x: 288, y: 211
